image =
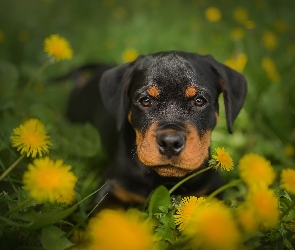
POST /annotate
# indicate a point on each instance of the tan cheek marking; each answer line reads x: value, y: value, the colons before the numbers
x: 125, y: 195
x: 147, y: 150
x: 196, y: 149
x: 190, y: 92
x: 200, y: 193
x: 223, y: 87
x: 129, y: 116
x: 217, y: 117
x: 153, y: 91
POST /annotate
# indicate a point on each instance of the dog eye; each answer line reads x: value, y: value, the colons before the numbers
x: 200, y: 101
x: 145, y: 101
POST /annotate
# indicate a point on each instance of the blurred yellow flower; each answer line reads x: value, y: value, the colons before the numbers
x: 23, y: 36
x: 186, y: 210
x: 58, y: 47
x: 256, y: 170
x: 247, y: 219
x: 223, y: 159
x: 238, y: 62
x: 289, y: 150
x: 108, y: 3
x: 270, y: 68
x: 213, y: 14
x: 113, y: 230
x: 269, y: 40
x: 213, y: 227
x: 281, y: 25
x: 48, y: 180
x: 288, y: 180
x: 237, y: 33
x: 250, y: 24
x: 129, y: 55
x: 2, y: 36
x: 30, y: 137
x: 120, y: 13
x: 240, y: 15
x: 265, y: 206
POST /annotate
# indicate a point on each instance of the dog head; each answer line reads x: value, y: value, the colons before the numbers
x: 171, y: 101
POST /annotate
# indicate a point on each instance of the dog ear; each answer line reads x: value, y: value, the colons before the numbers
x: 234, y: 88
x: 113, y: 88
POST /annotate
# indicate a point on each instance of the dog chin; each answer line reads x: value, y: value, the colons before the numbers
x: 170, y: 171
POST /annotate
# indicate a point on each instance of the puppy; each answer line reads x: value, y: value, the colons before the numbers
x: 155, y: 117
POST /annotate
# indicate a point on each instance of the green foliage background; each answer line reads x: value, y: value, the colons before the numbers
x: 100, y: 31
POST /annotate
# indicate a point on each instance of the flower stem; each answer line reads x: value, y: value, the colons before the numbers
x: 288, y: 210
x: 224, y: 187
x: 30, y: 83
x: 18, y: 206
x: 187, y: 178
x: 86, y: 217
x: 7, y: 171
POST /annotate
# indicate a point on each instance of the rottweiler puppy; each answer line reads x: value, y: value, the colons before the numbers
x: 155, y: 116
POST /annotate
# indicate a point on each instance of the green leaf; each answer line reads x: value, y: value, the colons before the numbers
x: 77, y: 140
x: 168, y: 220
x: 165, y: 230
x: 165, y: 233
x: 52, y: 238
x: 287, y: 196
x: 160, y: 200
x: 163, y: 209
x: 37, y: 220
x: 290, y: 216
x: 161, y: 245
x: 288, y: 244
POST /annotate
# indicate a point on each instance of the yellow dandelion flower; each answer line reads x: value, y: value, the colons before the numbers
x: 48, y: 180
x: 237, y: 33
x: 113, y: 229
x: 223, y: 159
x: 247, y: 219
x: 270, y: 68
x: 2, y: 36
x: 30, y: 137
x: 238, y: 62
x: 213, y: 227
x: 256, y: 170
x: 129, y: 55
x: 120, y: 13
x: 23, y: 36
x: 288, y: 180
x: 250, y: 24
x: 186, y: 210
x: 213, y: 14
x: 240, y: 15
x: 270, y: 40
x: 289, y: 150
x: 281, y: 25
x: 58, y: 47
x: 265, y: 206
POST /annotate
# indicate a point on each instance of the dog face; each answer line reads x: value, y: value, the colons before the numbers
x: 171, y: 101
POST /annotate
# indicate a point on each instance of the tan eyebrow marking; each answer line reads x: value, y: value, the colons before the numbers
x: 190, y: 91
x: 153, y: 91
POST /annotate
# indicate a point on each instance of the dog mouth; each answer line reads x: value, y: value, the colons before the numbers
x: 170, y: 171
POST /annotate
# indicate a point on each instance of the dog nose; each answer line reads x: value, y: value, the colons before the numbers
x: 170, y: 143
